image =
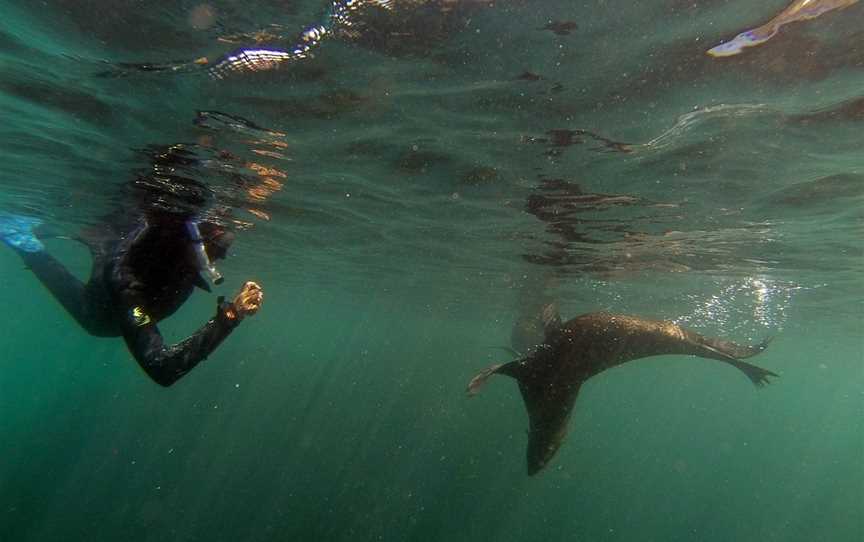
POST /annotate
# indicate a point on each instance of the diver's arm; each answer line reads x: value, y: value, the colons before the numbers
x: 165, y: 364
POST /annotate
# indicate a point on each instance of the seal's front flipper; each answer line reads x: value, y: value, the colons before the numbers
x: 477, y: 382
x: 17, y: 232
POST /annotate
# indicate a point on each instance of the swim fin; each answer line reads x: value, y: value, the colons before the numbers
x: 17, y: 232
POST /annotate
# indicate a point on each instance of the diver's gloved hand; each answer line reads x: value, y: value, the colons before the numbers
x: 248, y: 300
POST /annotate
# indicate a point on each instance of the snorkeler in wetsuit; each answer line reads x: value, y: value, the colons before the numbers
x: 142, y: 273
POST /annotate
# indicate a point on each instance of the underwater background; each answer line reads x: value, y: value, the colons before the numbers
x: 398, y: 195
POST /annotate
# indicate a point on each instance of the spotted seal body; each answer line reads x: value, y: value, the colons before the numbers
x: 551, y: 374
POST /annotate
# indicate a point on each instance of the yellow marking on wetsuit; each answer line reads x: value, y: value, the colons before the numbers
x: 141, y: 318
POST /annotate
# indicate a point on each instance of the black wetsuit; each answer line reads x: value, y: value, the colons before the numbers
x: 137, y: 279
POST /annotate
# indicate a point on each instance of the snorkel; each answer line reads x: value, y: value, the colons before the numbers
x: 205, y: 266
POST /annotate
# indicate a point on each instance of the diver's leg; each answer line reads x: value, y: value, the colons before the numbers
x: 63, y: 285
x: 17, y: 232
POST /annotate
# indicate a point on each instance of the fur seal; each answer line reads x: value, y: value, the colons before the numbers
x: 551, y: 373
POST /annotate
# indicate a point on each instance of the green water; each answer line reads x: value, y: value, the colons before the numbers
x: 392, y: 264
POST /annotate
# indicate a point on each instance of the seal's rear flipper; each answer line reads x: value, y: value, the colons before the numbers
x: 732, y: 353
x: 727, y: 350
x: 757, y: 375
x: 481, y: 378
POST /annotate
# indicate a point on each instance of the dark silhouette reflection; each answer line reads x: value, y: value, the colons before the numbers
x: 824, y: 194
x: 562, y: 205
x: 559, y: 138
x: 848, y: 111
x: 602, y: 234
x: 529, y: 76
x: 561, y: 28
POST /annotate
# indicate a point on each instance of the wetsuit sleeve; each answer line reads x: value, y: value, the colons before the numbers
x: 165, y: 364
